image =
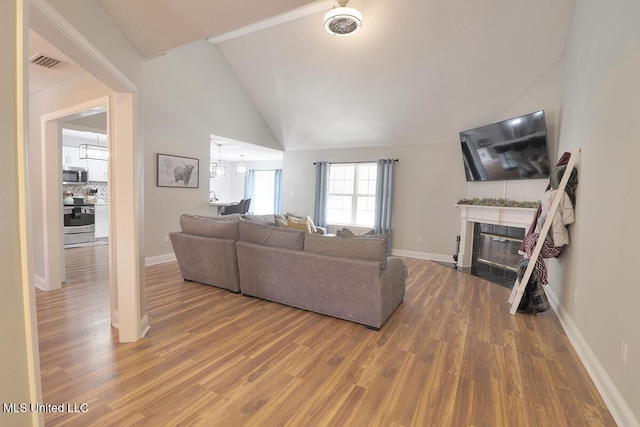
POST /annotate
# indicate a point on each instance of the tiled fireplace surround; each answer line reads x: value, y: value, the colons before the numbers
x: 490, y: 237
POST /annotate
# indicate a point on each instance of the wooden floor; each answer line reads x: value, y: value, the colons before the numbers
x: 450, y: 355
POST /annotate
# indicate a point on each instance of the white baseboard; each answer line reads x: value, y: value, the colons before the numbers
x: 423, y: 255
x: 39, y: 282
x: 617, y: 406
x: 144, y: 325
x: 115, y: 321
x: 160, y: 259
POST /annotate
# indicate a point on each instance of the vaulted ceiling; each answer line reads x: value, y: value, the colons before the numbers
x: 418, y: 72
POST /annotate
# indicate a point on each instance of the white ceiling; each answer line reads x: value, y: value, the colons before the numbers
x: 41, y: 78
x: 418, y: 72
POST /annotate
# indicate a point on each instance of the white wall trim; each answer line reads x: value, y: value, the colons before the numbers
x: 301, y: 12
x: 39, y: 282
x: 159, y: 259
x: 615, y: 402
x: 115, y: 319
x: 423, y: 255
x: 144, y: 325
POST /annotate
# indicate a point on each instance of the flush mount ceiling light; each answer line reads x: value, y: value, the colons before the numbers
x: 343, y: 20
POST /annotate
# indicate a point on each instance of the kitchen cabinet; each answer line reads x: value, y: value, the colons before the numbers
x: 97, y: 170
x: 71, y: 157
x: 102, y: 220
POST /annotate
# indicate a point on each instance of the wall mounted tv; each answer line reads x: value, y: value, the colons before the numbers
x: 508, y: 150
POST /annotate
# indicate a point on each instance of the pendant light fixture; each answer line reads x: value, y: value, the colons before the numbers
x: 343, y: 20
x: 219, y: 169
x: 241, y: 168
x: 93, y: 152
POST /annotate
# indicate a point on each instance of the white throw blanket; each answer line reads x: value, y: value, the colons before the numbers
x: 564, y: 216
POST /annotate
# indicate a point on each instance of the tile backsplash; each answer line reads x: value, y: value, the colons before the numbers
x: 83, y: 189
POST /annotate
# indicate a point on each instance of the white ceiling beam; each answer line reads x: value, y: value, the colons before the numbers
x: 292, y: 15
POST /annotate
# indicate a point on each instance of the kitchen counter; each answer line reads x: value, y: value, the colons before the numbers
x: 219, y: 205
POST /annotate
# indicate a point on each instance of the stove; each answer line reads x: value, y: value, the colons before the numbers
x: 79, y: 223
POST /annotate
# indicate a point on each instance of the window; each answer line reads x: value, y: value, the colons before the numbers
x: 351, y: 196
x: 264, y: 192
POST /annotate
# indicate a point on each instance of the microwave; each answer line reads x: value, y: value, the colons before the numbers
x: 73, y: 175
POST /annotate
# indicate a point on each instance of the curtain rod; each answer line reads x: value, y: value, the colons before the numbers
x: 362, y: 161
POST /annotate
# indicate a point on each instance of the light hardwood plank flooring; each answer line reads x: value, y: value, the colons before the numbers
x: 450, y: 355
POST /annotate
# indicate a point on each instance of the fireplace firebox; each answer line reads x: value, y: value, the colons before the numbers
x: 495, y: 254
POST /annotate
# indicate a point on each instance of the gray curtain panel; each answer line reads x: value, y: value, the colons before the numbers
x: 322, y: 187
x: 250, y: 184
x: 384, y: 196
x: 277, y: 200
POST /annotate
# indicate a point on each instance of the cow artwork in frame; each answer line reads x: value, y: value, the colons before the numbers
x: 177, y: 171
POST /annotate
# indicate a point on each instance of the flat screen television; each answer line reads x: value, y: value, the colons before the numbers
x: 508, y: 150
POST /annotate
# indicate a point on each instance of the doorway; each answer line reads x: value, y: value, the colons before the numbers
x: 84, y: 148
x: 126, y: 270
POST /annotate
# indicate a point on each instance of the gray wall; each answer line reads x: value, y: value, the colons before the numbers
x: 189, y: 94
x: 428, y: 181
x: 430, y: 176
x: 595, y: 279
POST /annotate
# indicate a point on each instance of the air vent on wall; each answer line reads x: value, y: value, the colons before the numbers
x: 43, y: 60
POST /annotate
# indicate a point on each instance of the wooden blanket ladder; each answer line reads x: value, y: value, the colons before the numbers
x: 520, y: 285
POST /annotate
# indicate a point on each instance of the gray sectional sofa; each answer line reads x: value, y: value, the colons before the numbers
x: 347, y: 278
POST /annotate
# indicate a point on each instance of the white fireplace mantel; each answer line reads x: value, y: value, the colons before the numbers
x: 470, y: 214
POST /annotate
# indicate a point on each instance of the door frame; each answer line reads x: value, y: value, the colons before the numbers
x: 126, y: 262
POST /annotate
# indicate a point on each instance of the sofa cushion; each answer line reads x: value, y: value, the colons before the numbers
x: 209, y: 227
x: 360, y: 248
x: 229, y: 217
x: 267, y: 219
x: 268, y: 235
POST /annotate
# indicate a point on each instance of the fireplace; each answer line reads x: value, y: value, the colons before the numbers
x: 495, y: 254
x: 490, y: 237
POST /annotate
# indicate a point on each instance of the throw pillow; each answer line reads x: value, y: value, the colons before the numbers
x: 312, y: 226
x: 299, y: 224
x: 281, y: 221
x: 295, y: 215
x: 345, y: 232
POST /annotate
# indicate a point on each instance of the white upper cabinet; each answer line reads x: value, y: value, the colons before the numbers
x: 72, y: 140
x: 97, y: 170
x: 71, y: 157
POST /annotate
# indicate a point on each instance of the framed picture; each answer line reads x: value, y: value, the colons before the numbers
x: 177, y: 171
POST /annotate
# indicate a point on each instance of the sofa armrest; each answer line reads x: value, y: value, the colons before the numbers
x: 392, y: 286
x: 208, y: 260
x: 322, y: 230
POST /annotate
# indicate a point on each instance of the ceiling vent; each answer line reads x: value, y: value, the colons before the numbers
x: 43, y: 60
